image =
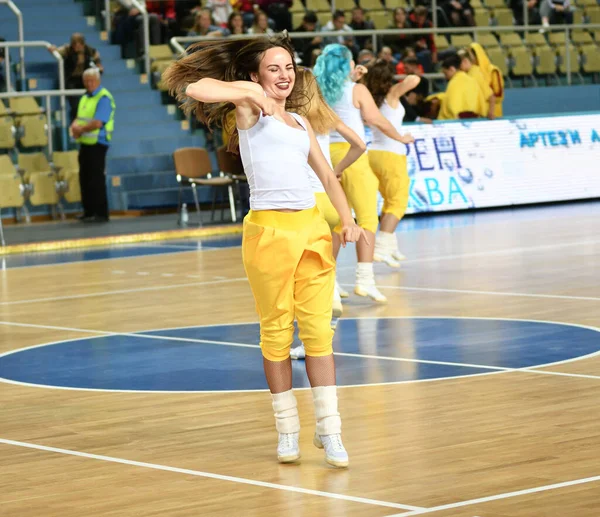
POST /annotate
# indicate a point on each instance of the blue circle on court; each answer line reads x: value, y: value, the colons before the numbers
x: 227, y: 357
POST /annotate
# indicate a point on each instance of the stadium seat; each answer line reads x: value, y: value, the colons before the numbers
x: 581, y: 37
x: 33, y: 131
x: 297, y: 7
x: 345, y: 5
x: 371, y: 5
x: 486, y: 39
x: 499, y: 58
x: 557, y: 39
x: 38, y: 173
x: 591, y: 59
x: 159, y: 52
x: 24, y: 106
x: 510, y: 39
x: 461, y: 40
x: 535, y: 39
x: 11, y: 184
x: 297, y: 18
x: 381, y: 19
x: 7, y: 129
x: 482, y: 17
x: 441, y: 42
x: 318, y: 6
x: 66, y: 166
x: 324, y: 18
x: 158, y: 70
x: 592, y: 14
x: 392, y: 4
x: 574, y: 60
x: 522, y: 62
x: 545, y: 61
x: 502, y: 17
x: 476, y: 4
x: 495, y: 3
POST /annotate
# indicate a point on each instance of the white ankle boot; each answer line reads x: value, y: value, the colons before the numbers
x: 287, y: 423
x: 365, y: 283
x: 335, y: 453
x: 329, y: 426
x: 288, y: 449
x: 386, y: 249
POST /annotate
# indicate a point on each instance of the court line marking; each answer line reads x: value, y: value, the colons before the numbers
x: 494, y: 369
x: 485, y: 293
x: 497, y: 497
x: 210, y: 475
x: 123, y: 291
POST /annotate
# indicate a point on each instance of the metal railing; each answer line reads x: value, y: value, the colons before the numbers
x: 176, y: 42
x: 61, y: 70
x: 10, y: 4
x: 146, y: 25
x: 47, y: 94
x: 107, y: 18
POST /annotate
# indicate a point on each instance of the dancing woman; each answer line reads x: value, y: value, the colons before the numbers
x: 286, y: 245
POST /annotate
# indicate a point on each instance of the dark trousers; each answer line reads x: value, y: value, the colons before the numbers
x: 92, y: 164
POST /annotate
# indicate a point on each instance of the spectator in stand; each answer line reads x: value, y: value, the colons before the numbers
x: 204, y: 25
x: 247, y: 8
x: 77, y: 58
x: 412, y: 67
x: 555, y: 12
x: 220, y: 10
x: 385, y: 54
x: 462, y: 93
x: 459, y: 12
x: 359, y: 23
x: 261, y: 24
x: 235, y: 24
x: 532, y: 9
x: 305, y: 46
x: 399, y: 42
x: 278, y: 11
x: 128, y: 27
x: 424, y: 44
x: 166, y: 13
x: 365, y: 56
x: 409, y: 52
x: 338, y: 23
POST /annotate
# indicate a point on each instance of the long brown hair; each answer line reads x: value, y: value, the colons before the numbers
x: 321, y: 117
x: 229, y: 60
x: 379, y: 80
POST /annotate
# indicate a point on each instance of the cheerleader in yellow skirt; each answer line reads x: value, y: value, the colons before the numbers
x: 286, y: 246
x: 323, y: 120
x: 387, y: 157
x: 352, y: 103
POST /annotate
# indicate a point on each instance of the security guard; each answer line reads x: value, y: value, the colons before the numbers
x: 93, y: 129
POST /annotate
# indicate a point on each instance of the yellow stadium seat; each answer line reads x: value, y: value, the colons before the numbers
x: 482, y: 17
x: 33, y: 131
x: 461, y: 40
x: 11, y: 184
x: 495, y: 3
x: 381, y: 19
x: 392, y: 4
x: 581, y: 37
x: 522, y: 65
x: 535, y: 39
x: 499, y: 58
x: 318, y: 6
x: 476, y: 4
x: 38, y: 173
x: 592, y: 14
x: 545, y: 60
x: 486, y: 39
x: 344, y: 5
x: 157, y: 74
x: 503, y: 17
x: 7, y: 129
x: 297, y: 7
x: 557, y: 38
x: 370, y: 5
x: 158, y: 52
x: 24, y: 106
x: 591, y: 59
x: 441, y: 42
x: 574, y: 60
x: 297, y: 18
x: 66, y: 165
x: 510, y: 39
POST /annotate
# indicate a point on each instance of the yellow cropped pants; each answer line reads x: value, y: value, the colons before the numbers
x: 394, y: 183
x: 360, y: 185
x: 327, y: 209
x: 289, y: 262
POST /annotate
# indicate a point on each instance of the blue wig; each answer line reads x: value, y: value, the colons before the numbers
x: 332, y: 70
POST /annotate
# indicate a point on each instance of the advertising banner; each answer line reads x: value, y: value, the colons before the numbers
x: 472, y: 164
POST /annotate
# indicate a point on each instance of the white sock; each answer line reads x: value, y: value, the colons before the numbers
x: 365, y: 274
x: 326, y: 410
x: 285, y: 408
x: 386, y: 241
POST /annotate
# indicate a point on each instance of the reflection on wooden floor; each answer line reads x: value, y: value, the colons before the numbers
x: 474, y: 445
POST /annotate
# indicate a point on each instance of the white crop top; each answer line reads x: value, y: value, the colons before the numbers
x: 380, y: 142
x: 275, y: 160
x: 315, y: 182
x: 348, y: 114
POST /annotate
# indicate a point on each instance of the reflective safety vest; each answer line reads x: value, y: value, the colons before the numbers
x: 85, y: 114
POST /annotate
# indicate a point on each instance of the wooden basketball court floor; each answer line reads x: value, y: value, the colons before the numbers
x: 473, y: 392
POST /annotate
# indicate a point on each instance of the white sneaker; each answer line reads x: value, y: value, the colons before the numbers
x: 288, y: 449
x: 298, y: 352
x: 337, y: 304
x: 341, y: 291
x: 388, y: 258
x: 396, y: 255
x: 335, y: 453
x: 370, y: 291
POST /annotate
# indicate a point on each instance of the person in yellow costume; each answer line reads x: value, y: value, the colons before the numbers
x: 492, y: 74
x: 462, y: 96
x: 487, y: 99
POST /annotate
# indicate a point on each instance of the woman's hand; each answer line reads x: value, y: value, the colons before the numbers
x: 352, y: 233
x: 407, y: 138
x: 358, y: 73
x: 267, y: 105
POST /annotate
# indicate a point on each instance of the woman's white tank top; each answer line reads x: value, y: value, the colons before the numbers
x: 380, y: 142
x: 275, y: 160
x: 315, y: 182
x: 348, y: 114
